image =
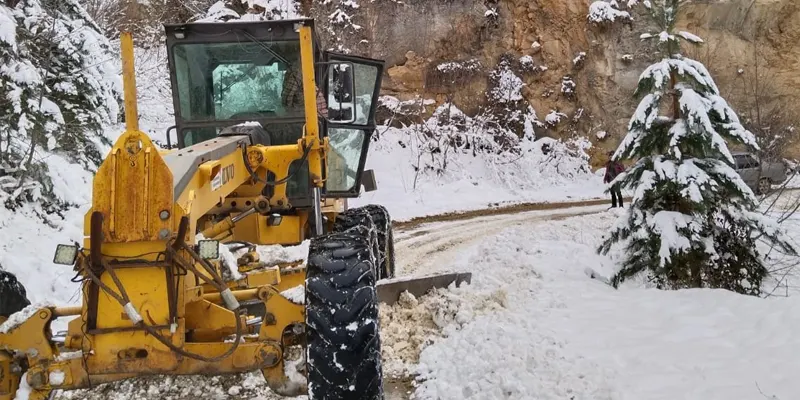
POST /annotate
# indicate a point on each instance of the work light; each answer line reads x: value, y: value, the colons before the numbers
x: 65, y: 254
x: 208, y: 249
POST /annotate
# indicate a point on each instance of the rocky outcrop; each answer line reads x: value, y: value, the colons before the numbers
x: 583, y: 70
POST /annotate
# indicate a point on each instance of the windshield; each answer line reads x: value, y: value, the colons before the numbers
x: 241, y: 80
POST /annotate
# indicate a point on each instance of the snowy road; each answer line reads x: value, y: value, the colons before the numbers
x: 533, y: 326
x: 433, y: 246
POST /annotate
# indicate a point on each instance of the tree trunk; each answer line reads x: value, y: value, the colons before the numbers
x: 676, y: 105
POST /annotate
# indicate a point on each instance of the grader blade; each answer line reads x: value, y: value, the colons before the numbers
x: 389, y: 290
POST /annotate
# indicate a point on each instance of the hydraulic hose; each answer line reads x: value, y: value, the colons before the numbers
x: 133, y: 314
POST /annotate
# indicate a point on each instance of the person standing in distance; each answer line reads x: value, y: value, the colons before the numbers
x: 613, y: 169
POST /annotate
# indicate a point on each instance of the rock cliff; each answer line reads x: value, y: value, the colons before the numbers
x: 447, y: 49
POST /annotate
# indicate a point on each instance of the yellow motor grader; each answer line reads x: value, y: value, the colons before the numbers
x: 254, y: 164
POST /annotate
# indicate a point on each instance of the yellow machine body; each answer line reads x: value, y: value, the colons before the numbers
x: 140, y: 236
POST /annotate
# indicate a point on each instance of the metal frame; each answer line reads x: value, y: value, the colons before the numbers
x: 368, y: 128
x: 226, y: 32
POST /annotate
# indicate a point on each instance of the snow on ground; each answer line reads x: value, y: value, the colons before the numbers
x: 471, y: 182
x: 28, y: 245
x: 531, y: 325
x: 554, y: 333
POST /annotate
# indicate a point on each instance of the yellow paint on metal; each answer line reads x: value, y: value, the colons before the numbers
x: 129, y: 82
x: 312, y: 136
x: 9, y: 380
x: 131, y: 189
x: 147, y: 288
x: 289, y: 280
x: 210, y: 322
x: 67, y: 311
x: 270, y: 276
x: 31, y: 337
x: 241, y: 295
x: 254, y: 229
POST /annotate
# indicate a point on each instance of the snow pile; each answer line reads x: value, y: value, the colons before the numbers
x: 296, y: 295
x: 563, y: 335
x: 284, y: 254
x: 511, y: 353
x: 412, y: 324
x: 251, y: 10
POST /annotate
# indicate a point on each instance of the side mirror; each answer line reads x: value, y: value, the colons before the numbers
x: 341, y: 93
x: 368, y: 181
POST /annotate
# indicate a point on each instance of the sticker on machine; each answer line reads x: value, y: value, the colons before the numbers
x: 216, y: 182
x: 224, y: 176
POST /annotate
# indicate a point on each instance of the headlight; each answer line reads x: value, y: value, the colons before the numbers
x: 65, y: 254
x: 208, y: 249
x: 274, y: 220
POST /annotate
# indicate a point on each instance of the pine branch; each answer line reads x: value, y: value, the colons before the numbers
x: 42, y: 90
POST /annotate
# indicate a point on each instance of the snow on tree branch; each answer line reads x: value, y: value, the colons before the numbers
x: 251, y: 10
x: 59, y: 88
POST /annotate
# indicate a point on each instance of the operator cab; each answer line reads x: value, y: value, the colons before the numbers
x: 225, y: 74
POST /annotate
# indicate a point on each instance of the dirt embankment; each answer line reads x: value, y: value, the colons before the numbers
x: 416, y: 37
x: 497, y: 210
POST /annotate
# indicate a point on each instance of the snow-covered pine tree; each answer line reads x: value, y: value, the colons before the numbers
x: 692, y: 221
x: 58, y: 89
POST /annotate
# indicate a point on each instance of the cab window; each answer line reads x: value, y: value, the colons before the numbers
x: 242, y: 80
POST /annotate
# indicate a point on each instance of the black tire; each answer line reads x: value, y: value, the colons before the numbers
x: 343, y: 341
x: 380, y: 218
x: 13, y: 297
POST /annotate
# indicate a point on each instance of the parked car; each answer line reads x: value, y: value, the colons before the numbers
x: 758, y: 175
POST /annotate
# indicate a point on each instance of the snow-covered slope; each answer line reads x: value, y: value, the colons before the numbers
x: 27, y: 244
x: 475, y: 181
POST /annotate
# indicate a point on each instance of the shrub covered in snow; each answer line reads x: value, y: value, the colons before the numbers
x: 692, y: 221
x: 602, y: 12
x: 58, y: 89
x: 507, y: 108
x: 568, y: 87
x: 451, y: 147
x: 450, y: 74
x: 251, y: 10
x: 554, y: 117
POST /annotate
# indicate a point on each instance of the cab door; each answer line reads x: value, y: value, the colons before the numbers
x: 351, y: 87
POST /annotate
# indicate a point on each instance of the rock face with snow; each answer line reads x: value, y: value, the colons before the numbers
x: 416, y: 37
